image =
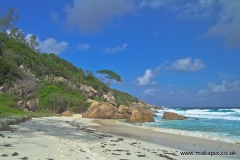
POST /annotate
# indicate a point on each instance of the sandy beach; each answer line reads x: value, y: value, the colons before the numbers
x: 77, y: 138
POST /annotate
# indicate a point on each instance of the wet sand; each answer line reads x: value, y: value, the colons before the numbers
x: 179, y: 142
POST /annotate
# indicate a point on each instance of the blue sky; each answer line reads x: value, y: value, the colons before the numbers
x: 175, y: 53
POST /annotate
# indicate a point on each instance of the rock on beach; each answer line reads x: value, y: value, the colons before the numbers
x: 173, y: 116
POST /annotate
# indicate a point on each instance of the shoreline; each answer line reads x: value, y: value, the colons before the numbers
x: 72, y: 138
x: 185, y: 133
x: 174, y: 141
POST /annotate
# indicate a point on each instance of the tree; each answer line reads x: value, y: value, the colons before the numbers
x: 111, y: 75
x: 2, y: 46
x: 89, y: 75
x: 27, y: 83
x: 8, y: 20
x: 17, y: 34
x: 33, y: 43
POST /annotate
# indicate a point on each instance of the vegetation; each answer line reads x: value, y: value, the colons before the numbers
x: 99, y: 86
x: 53, y: 96
x: 97, y: 98
x: 111, y: 75
x: 124, y: 98
x: 8, y: 71
x: 35, y: 73
x: 8, y: 103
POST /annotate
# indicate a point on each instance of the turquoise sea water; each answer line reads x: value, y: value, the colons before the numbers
x: 218, y: 124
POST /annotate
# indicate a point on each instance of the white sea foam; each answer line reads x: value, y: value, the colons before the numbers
x: 228, y: 134
x: 198, y: 134
x: 205, y: 113
x: 236, y: 110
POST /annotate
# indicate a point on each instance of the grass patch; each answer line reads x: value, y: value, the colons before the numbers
x: 8, y: 103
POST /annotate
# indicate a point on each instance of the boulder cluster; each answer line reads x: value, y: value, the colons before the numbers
x: 135, y: 114
x: 105, y: 110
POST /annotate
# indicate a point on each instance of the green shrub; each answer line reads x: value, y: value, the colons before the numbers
x: 81, y: 107
x: 55, y: 96
x: 8, y: 103
x: 7, y: 71
x: 124, y: 98
x: 97, y: 98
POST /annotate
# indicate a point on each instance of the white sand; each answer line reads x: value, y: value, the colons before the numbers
x: 67, y: 138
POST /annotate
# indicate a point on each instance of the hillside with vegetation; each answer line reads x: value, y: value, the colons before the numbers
x: 35, y: 81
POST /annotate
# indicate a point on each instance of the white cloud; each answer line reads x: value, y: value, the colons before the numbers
x: 92, y: 15
x: 183, y: 8
x: 187, y: 64
x: 146, y: 78
x: 195, y: 9
x: 116, y: 49
x: 226, y: 13
x: 50, y: 45
x: 151, y: 3
x: 84, y: 47
x: 149, y: 92
x: 228, y: 23
x: 225, y: 86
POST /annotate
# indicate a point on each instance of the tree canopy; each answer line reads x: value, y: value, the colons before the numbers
x: 8, y: 20
x: 111, y: 75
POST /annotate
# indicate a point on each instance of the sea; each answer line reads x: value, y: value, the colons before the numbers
x: 222, y: 124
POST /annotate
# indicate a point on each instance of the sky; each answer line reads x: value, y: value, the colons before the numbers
x: 172, y: 53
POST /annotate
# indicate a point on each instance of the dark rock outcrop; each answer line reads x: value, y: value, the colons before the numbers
x: 140, y: 115
x: 173, y: 116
